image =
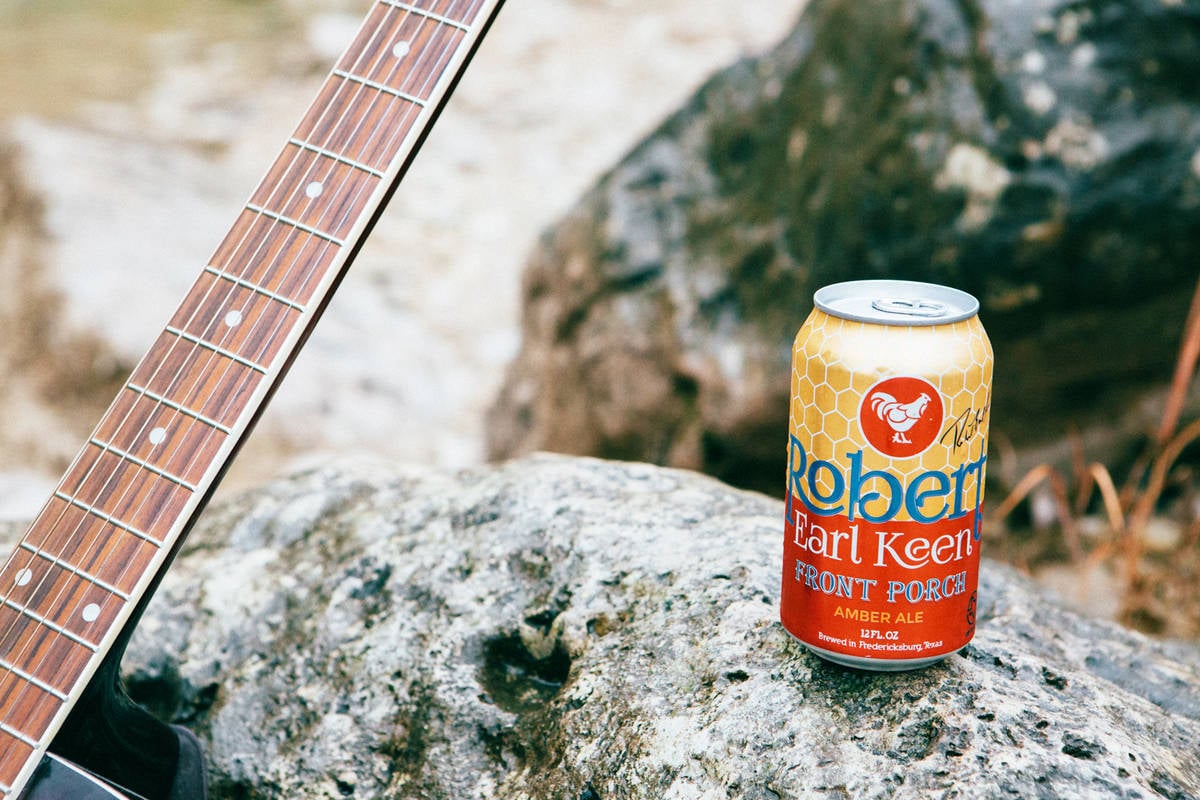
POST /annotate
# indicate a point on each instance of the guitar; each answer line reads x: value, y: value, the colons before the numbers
x: 76, y: 584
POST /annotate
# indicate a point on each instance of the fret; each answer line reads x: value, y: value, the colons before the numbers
x: 221, y: 351
x: 216, y: 386
x: 25, y: 677
x: 62, y: 600
x: 295, y: 224
x: 61, y: 564
x: 243, y: 324
x: 54, y: 591
x: 16, y: 734
x: 46, y: 623
x: 160, y: 439
x: 280, y: 259
x: 115, y: 554
x: 66, y: 498
x: 245, y: 284
x: 55, y: 660
x: 316, y: 191
x: 439, y: 18
x: 341, y: 159
x: 124, y: 456
x: 401, y: 52
x: 412, y: 56
x: 162, y: 401
x: 13, y: 755
x: 379, y: 87
x: 363, y: 124
x: 125, y: 492
x: 25, y: 706
x: 465, y: 11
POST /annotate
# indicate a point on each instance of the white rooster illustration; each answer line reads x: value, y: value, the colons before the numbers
x: 899, y: 416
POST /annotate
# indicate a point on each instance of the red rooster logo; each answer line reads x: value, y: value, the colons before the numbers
x: 901, y: 429
x: 899, y: 416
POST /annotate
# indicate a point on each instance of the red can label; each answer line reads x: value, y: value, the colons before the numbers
x: 885, y: 488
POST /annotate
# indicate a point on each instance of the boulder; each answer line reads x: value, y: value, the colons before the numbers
x: 1043, y: 155
x: 571, y: 628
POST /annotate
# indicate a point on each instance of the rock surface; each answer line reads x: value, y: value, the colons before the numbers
x: 1041, y: 154
x: 571, y: 628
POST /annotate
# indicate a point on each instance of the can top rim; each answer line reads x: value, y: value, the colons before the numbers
x: 896, y: 302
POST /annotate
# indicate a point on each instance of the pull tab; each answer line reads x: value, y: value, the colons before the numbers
x: 909, y: 308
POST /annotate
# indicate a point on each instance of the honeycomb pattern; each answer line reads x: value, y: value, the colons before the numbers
x: 836, y: 361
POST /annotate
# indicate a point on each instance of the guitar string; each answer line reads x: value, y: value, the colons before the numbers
x: 416, y: 63
x: 417, y: 60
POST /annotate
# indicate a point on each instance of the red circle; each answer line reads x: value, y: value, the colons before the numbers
x: 901, y: 416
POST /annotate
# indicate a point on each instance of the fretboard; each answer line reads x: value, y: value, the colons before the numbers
x: 95, y: 549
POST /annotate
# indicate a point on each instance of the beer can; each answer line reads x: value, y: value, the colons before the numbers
x: 891, y: 392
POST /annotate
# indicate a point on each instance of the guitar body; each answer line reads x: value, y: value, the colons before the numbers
x: 59, y: 779
x: 56, y: 779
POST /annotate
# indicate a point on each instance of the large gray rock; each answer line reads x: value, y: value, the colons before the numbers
x: 570, y: 628
x: 1041, y: 154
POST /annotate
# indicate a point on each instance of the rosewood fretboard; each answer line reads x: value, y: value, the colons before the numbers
x: 72, y: 584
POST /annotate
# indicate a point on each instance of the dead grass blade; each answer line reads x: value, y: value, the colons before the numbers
x: 1157, y: 479
x: 1108, y: 493
x: 1062, y: 504
x: 1026, y: 485
x: 1185, y: 368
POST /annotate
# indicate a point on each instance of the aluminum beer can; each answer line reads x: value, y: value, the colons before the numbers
x: 891, y: 392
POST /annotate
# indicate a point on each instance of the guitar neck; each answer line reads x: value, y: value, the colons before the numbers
x: 93, y: 553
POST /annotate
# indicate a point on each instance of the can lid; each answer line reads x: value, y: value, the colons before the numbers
x: 893, y: 302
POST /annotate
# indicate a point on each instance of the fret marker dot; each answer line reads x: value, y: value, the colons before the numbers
x: 314, y: 189
x: 158, y: 435
x: 233, y: 318
x: 401, y: 49
x: 24, y: 577
x: 91, y: 612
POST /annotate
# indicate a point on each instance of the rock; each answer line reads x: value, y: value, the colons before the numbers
x: 1041, y: 154
x: 572, y: 628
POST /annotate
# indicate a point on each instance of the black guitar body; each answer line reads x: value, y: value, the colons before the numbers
x: 56, y: 779
x: 59, y: 779
x: 110, y: 748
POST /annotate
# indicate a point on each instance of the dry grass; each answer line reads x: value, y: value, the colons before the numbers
x: 1159, y: 589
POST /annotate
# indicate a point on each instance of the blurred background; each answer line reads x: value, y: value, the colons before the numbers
x: 615, y: 229
x: 131, y: 132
